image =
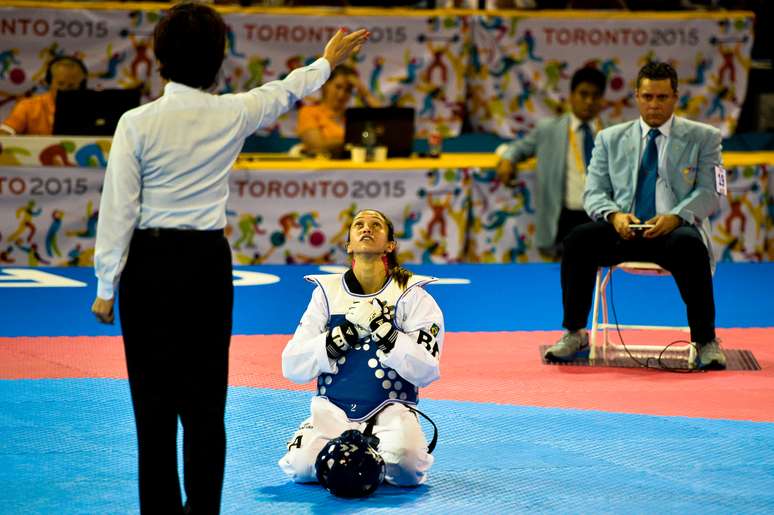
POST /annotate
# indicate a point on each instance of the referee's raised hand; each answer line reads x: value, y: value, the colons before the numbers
x: 342, y: 45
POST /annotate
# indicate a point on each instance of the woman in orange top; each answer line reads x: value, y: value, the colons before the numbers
x: 321, y: 125
x: 35, y: 115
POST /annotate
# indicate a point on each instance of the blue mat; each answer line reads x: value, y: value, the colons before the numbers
x: 67, y: 446
x: 498, y: 298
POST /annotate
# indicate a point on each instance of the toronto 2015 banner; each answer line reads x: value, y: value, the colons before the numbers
x: 48, y: 215
x: 503, y: 72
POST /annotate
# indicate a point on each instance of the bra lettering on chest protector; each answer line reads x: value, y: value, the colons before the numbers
x: 363, y: 385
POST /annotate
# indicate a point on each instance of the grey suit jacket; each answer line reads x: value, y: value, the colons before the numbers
x: 548, y: 140
x: 686, y: 186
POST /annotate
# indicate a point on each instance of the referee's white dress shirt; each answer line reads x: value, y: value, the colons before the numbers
x: 170, y: 160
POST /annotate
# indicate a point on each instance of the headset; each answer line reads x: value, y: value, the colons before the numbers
x: 70, y: 59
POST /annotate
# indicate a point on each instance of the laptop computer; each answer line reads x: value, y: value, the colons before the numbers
x: 88, y: 112
x: 394, y: 128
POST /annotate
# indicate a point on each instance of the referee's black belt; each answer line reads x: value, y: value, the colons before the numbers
x: 164, y: 233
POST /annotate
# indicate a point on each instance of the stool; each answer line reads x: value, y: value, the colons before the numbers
x: 611, y: 350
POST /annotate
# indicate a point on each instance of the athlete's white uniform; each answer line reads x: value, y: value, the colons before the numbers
x: 365, y: 380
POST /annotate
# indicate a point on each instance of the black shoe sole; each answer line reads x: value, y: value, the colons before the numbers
x: 712, y: 365
x: 582, y: 353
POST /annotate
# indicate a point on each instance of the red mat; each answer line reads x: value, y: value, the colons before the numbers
x: 500, y: 367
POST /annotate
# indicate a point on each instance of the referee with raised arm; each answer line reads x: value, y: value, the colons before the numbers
x: 160, y: 242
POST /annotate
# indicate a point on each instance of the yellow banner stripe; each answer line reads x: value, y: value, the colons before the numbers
x: 447, y: 160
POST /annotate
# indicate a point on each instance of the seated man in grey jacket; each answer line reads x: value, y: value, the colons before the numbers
x: 563, y: 147
x: 658, y: 170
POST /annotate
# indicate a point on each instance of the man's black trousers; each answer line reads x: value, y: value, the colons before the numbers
x: 175, y: 302
x: 682, y: 252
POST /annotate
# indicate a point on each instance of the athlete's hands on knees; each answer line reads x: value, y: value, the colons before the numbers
x: 340, y: 47
x: 621, y: 223
x: 375, y: 318
x: 103, y: 309
x: 340, y: 339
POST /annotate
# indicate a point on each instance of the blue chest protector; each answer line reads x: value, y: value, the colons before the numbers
x: 362, y: 385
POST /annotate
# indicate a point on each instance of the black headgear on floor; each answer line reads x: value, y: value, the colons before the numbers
x: 350, y: 466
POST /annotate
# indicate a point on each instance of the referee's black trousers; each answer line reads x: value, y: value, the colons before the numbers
x: 175, y: 301
x: 682, y: 252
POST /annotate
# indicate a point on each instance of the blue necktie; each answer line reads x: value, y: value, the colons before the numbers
x: 588, y: 143
x: 645, y: 200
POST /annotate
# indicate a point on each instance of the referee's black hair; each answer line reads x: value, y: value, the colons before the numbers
x: 190, y: 44
x: 394, y: 270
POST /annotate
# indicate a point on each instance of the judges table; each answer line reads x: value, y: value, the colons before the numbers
x: 286, y: 210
